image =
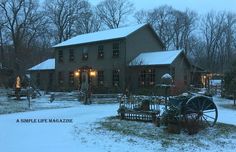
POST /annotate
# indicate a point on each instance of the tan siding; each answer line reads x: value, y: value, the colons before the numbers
x: 140, y: 41
x: 107, y: 64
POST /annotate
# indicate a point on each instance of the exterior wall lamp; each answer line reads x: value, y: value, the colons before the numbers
x: 93, y: 73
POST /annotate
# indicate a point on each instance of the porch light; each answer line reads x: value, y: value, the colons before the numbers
x: 92, y: 73
x: 77, y: 73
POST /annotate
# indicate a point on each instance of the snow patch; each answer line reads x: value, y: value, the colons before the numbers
x: 45, y: 65
x: 155, y: 58
x: 100, y: 36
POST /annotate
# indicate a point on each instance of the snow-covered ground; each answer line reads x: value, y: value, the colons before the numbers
x: 28, y: 137
x: 225, y: 115
x: 82, y: 134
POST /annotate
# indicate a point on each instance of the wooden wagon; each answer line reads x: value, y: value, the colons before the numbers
x: 196, y: 108
x: 192, y: 109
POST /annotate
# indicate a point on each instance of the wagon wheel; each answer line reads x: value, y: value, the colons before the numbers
x: 201, y: 109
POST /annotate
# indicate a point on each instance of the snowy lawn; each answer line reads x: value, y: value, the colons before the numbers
x: 225, y: 103
x: 226, y: 113
x: 209, y: 139
x: 62, y: 100
x: 94, y: 129
x: 11, y: 105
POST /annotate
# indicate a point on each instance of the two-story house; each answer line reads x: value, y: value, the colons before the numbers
x: 110, y: 54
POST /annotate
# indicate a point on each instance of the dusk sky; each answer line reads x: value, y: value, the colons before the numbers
x: 200, y: 6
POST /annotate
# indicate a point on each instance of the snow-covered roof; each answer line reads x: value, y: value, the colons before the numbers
x: 166, y: 76
x: 49, y: 64
x: 155, y: 58
x: 101, y: 35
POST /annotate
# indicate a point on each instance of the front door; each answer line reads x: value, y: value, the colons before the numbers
x: 84, y: 80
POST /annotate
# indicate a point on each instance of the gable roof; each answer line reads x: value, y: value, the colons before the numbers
x: 101, y: 36
x: 49, y: 64
x: 155, y: 58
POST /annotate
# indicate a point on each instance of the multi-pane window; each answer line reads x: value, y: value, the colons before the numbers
x: 115, y: 77
x: 147, y: 77
x: 173, y: 73
x: 60, y: 78
x: 100, y: 77
x: 38, y: 79
x: 100, y: 51
x: 50, y: 78
x: 116, y: 50
x: 71, y: 79
x: 60, y: 56
x: 142, y: 77
x: 185, y: 77
x: 85, y: 54
x: 71, y: 55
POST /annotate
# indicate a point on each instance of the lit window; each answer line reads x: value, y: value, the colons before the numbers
x: 147, y: 77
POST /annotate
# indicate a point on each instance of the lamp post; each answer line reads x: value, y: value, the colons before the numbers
x: 77, y: 75
x: 167, y: 81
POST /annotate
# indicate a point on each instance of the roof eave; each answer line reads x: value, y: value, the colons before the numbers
x: 150, y: 65
x: 40, y: 69
x: 55, y: 46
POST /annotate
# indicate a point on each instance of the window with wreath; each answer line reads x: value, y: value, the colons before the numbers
x: 50, y: 79
x: 60, y: 78
x: 100, y: 78
x: 85, y: 54
x: 38, y: 79
x: 173, y: 73
x: 71, y: 55
x: 100, y: 51
x: 147, y: 77
x: 116, y: 77
x: 116, y: 50
x: 71, y: 78
x: 185, y: 77
x: 60, y: 56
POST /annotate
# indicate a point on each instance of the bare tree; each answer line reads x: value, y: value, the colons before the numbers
x: 21, y: 16
x: 218, y: 32
x: 183, y: 27
x: 212, y: 30
x: 87, y: 20
x: 114, y: 12
x: 162, y: 21
x: 2, y: 25
x: 141, y: 16
x: 62, y: 15
x: 172, y: 26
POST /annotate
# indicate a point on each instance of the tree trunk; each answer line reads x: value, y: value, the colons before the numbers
x: 1, y: 45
